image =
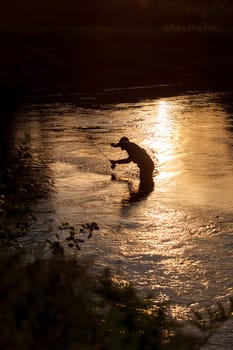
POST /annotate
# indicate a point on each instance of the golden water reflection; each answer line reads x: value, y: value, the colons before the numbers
x: 193, y: 148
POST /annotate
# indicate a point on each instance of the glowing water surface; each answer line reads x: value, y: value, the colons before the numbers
x: 177, y: 242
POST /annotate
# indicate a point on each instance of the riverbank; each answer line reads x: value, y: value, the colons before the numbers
x: 93, y: 59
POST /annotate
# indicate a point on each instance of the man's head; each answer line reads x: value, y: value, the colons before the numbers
x: 122, y: 143
x: 124, y: 139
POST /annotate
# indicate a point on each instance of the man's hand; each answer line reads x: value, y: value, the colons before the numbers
x: 113, y: 144
x: 113, y: 164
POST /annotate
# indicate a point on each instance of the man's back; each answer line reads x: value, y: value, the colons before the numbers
x: 138, y: 155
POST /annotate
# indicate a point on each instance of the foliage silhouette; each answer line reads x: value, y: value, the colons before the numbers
x: 23, y: 181
x: 59, y: 303
x: 57, y: 246
x: 118, y: 13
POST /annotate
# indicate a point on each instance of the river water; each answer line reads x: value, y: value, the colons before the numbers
x: 178, y: 241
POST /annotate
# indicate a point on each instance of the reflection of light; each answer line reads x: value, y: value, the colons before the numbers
x: 163, y: 137
x: 163, y: 118
x: 161, y: 125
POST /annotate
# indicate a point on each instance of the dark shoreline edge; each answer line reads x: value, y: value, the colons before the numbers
x: 64, y: 64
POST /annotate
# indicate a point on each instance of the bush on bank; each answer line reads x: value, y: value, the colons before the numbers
x: 57, y: 303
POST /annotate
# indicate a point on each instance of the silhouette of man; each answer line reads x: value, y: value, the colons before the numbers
x: 139, y: 156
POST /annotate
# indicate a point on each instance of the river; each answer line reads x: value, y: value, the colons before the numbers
x: 176, y: 243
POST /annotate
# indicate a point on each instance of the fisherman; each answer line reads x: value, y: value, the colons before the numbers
x: 139, y: 156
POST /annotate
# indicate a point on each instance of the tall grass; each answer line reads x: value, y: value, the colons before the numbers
x: 118, y: 13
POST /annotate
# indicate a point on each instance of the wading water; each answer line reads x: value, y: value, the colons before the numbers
x: 176, y: 241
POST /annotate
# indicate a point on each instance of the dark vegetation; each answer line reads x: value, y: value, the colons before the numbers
x: 143, y: 13
x: 93, y: 45
x: 23, y: 181
x: 58, y: 303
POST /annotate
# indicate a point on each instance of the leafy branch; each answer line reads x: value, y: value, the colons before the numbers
x: 73, y: 240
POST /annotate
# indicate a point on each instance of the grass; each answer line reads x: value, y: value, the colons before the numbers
x: 136, y: 13
x: 94, y: 58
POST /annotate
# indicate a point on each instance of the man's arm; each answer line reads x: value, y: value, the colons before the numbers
x: 114, y: 145
x: 123, y: 161
x: 120, y: 161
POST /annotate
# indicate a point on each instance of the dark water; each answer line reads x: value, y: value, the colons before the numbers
x: 178, y: 242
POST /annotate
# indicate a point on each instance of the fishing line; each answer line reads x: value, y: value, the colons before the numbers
x: 98, y: 149
x: 93, y: 144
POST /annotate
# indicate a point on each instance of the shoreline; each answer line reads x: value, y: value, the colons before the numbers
x: 53, y: 61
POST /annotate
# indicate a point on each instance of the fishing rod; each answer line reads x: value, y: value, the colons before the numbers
x: 98, y: 149
x: 93, y: 144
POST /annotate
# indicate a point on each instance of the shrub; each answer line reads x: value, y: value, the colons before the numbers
x: 58, y: 304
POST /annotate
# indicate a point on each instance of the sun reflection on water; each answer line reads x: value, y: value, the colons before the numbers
x: 163, y: 138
